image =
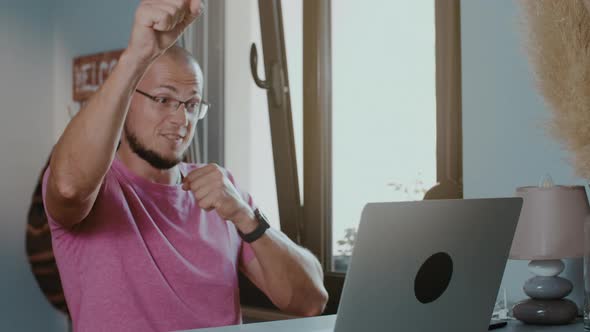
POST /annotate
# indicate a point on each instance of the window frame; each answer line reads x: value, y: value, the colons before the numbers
x: 313, y: 229
x: 280, y: 116
x: 205, y: 39
x: 317, y: 96
x: 317, y: 130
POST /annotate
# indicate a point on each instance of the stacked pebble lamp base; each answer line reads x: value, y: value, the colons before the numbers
x: 546, y: 290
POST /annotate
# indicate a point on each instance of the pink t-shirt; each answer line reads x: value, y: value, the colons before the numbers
x: 147, y: 258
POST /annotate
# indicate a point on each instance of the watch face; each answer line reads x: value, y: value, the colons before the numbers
x: 261, y: 217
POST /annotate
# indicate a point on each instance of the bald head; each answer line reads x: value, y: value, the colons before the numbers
x: 180, y: 54
x: 178, y: 64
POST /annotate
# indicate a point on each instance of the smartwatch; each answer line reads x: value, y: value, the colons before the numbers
x: 260, y: 229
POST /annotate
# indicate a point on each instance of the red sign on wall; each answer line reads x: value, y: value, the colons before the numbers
x: 90, y: 71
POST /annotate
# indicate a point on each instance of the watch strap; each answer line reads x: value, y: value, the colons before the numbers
x: 260, y: 229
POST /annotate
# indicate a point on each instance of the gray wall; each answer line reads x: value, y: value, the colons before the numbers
x: 39, y: 39
x: 26, y: 104
x: 85, y: 27
x: 505, y: 144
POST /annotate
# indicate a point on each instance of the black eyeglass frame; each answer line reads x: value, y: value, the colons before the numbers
x: 200, y: 113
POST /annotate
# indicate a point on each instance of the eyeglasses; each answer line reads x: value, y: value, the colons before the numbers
x: 197, y: 109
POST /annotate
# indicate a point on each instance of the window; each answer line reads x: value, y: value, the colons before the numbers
x: 383, y: 110
x: 248, y: 137
x: 381, y: 114
x: 355, y: 106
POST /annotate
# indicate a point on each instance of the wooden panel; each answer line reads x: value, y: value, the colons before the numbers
x: 449, y: 136
x: 90, y: 71
x: 317, y: 130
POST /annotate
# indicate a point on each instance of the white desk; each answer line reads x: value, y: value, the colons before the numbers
x: 326, y: 322
x: 514, y: 326
x: 292, y: 325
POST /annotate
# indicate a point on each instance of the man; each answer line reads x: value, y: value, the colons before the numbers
x: 144, y: 242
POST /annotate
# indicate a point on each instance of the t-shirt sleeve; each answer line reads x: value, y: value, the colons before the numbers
x: 55, y: 226
x: 246, y: 251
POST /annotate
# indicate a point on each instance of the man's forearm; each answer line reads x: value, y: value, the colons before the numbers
x: 87, y: 147
x: 290, y: 275
x: 293, y: 276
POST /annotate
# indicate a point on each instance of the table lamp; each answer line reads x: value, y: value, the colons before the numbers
x: 550, y: 228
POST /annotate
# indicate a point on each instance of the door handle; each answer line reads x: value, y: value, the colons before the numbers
x: 276, y: 83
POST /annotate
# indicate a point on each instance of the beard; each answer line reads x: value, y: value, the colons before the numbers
x: 152, y: 157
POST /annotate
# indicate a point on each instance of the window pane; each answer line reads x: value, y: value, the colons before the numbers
x: 248, y: 149
x: 248, y: 139
x: 384, y: 110
x: 293, y: 31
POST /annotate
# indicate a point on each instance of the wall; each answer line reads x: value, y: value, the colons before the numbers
x: 26, y: 106
x: 505, y: 144
x: 39, y: 39
x: 84, y: 27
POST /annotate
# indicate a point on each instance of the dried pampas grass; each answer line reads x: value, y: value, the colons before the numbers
x: 558, y: 42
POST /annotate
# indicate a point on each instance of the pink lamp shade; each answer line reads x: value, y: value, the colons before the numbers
x: 551, y: 224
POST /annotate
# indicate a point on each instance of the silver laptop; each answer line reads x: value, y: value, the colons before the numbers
x: 427, y: 265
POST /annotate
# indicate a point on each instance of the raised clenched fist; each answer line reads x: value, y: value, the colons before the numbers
x: 158, y: 24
